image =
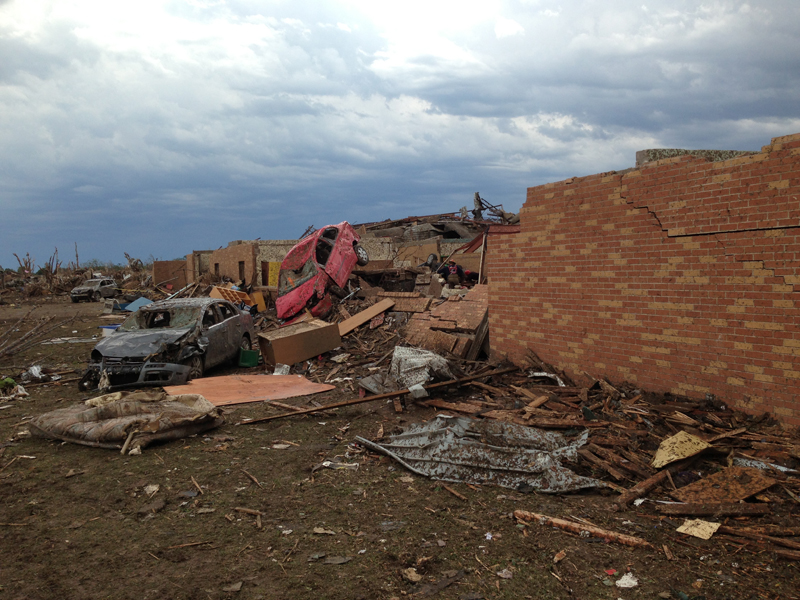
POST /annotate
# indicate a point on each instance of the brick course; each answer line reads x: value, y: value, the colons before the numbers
x: 681, y: 276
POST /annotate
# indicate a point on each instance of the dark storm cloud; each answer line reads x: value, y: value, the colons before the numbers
x: 209, y: 121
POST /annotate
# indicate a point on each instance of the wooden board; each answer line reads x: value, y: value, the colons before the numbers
x: 364, y: 316
x: 241, y: 389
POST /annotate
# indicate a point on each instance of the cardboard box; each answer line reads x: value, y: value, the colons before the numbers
x: 298, y: 342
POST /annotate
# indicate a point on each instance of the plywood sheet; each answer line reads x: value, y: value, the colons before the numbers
x: 241, y: 389
x: 729, y: 485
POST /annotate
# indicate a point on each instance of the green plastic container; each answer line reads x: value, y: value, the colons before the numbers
x: 248, y: 358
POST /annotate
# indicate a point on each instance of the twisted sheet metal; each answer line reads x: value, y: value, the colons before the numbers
x: 461, y: 449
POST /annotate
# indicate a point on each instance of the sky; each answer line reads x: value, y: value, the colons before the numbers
x: 161, y: 127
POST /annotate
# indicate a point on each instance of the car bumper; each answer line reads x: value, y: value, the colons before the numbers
x: 142, y: 375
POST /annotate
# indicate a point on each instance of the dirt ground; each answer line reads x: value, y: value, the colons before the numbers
x: 76, y: 522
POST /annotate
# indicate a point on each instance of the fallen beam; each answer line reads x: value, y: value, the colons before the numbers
x: 713, y: 509
x: 396, y: 394
x: 644, y: 487
x: 761, y: 538
x: 620, y: 538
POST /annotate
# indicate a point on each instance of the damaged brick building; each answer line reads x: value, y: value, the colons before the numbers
x: 681, y: 275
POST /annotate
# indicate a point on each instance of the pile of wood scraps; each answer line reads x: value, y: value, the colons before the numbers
x: 669, y: 456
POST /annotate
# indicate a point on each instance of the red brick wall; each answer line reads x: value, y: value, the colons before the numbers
x: 229, y: 257
x: 682, y: 276
x: 170, y: 272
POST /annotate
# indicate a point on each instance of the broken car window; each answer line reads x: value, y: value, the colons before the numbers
x: 226, y: 310
x: 209, y: 317
x: 290, y: 280
x: 174, y: 318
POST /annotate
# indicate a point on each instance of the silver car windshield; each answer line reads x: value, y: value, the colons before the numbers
x: 171, y: 318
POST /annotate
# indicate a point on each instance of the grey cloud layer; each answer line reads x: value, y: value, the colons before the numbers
x: 256, y: 119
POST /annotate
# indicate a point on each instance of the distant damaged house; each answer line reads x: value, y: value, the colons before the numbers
x: 393, y: 244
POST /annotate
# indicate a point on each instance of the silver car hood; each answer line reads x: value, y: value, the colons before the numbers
x: 123, y: 344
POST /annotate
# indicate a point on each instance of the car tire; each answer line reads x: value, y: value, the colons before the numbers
x: 195, y: 364
x: 246, y: 344
x: 96, y: 296
x: 362, y: 258
x: 75, y: 300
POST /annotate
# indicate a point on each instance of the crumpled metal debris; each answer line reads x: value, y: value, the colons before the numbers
x: 461, y: 449
x: 533, y: 374
x: 378, y: 383
x: 411, y: 366
x: 129, y: 420
x: 759, y: 464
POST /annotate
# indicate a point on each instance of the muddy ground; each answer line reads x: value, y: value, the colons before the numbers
x: 76, y: 522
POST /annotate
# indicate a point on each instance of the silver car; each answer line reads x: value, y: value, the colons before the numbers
x: 92, y: 290
x: 169, y: 342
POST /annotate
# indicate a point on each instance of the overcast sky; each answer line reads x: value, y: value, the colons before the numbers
x: 162, y: 127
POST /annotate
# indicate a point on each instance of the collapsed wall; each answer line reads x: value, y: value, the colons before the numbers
x: 680, y: 276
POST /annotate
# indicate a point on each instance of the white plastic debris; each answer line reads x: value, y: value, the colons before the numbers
x: 281, y: 369
x: 627, y: 581
x: 417, y: 391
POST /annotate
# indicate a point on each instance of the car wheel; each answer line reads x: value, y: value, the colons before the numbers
x: 362, y: 258
x: 245, y: 343
x: 195, y: 365
x: 96, y: 296
x: 75, y: 300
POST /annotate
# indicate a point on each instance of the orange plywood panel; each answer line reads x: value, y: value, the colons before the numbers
x: 241, y: 389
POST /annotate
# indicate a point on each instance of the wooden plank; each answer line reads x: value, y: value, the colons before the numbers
x: 587, y: 454
x: 364, y: 316
x: 715, y: 509
x: 481, y: 333
x: 463, y: 407
x: 618, y: 460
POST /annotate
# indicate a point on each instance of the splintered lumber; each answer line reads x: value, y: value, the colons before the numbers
x: 480, y: 337
x: 713, y: 509
x: 249, y: 511
x: 776, y: 530
x: 618, y: 460
x: 489, y: 388
x: 620, y: 538
x: 563, y: 423
x: 643, y: 487
x: 587, y: 454
x: 350, y: 324
x: 431, y: 386
x: 757, y: 536
x: 277, y: 404
x: 463, y: 407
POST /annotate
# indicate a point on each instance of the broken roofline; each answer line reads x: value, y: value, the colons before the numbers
x: 454, y: 216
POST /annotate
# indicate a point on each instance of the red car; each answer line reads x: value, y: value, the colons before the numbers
x: 323, y: 259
